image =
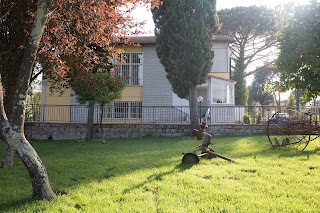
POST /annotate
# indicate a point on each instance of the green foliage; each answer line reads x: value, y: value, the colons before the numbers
x: 184, y: 30
x: 246, y: 118
x: 291, y: 101
x: 252, y: 40
x: 32, y: 112
x: 101, y: 88
x: 258, y: 117
x: 145, y: 175
x: 34, y: 99
x: 299, y: 58
x: 240, y: 89
x: 258, y: 92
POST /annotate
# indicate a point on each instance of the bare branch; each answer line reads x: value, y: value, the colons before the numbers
x: 7, y: 13
x: 4, y: 53
x: 254, y: 71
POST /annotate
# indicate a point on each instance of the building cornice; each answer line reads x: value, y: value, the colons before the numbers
x: 152, y: 39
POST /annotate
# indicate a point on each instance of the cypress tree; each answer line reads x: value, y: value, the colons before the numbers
x: 183, y: 33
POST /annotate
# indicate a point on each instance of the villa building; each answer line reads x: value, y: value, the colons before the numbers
x: 148, y: 91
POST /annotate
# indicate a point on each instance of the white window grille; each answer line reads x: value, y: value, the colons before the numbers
x: 130, y: 68
x: 124, y: 110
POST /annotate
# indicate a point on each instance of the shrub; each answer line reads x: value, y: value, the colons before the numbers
x: 258, y: 117
x: 246, y: 118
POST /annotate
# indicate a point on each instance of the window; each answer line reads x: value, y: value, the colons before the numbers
x: 130, y: 68
x: 222, y: 91
x: 127, y: 110
x: 220, y: 60
x: 136, y: 110
x: 121, y: 110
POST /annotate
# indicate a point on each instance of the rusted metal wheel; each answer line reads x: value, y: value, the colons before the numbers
x: 190, y: 158
x: 292, y: 128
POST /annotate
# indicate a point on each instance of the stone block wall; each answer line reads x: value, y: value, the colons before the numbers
x: 77, y: 131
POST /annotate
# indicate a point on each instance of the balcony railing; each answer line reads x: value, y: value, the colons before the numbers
x: 154, y: 114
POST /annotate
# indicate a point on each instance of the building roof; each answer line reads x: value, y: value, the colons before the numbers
x: 143, y: 39
x: 152, y: 39
x: 224, y: 79
x: 222, y: 38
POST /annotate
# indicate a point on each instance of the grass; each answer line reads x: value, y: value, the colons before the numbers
x: 146, y: 175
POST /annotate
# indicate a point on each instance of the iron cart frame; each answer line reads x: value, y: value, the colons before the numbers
x: 298, y: 129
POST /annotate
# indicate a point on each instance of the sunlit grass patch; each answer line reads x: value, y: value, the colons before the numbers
x: 146, y: 175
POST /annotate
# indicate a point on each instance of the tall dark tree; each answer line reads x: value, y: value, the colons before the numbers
x: 253, y: 29
x: 258, y: 92
x: 299, y: 58
x: 183, y: 33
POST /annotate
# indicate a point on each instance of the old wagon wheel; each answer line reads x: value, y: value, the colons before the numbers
x: 190, y: 158
x: 292, y: 128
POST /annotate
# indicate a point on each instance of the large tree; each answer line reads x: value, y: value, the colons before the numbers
x: 13, y: 128
x: 299, y: 57
x: 15, y: 26
x: 183, y: 34
x: 82, y: 38
x: 96, y: 88
x: 253, y: 29
x: 85, y: 32
x: 258, y: 92
x: 56, y: 54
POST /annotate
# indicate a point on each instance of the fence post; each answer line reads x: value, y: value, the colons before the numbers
x: 42, y: 113
x: 181, y: 115
x: 153, y: 115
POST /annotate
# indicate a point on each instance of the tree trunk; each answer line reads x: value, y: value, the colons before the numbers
x: 39, y: 179
x: 101, y: 128
x: 89, y: 135
x: 297, y: 97
x: 7, y: 160
x: 279, y: 103
x: 239, y: 76
x: 194, y: 118
x: 13, y: 130
x: 8, y: 156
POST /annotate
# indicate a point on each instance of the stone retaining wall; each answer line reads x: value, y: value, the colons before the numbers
x: 74, y: 131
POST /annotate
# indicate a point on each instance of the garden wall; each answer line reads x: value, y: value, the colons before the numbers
x: 73, y: 131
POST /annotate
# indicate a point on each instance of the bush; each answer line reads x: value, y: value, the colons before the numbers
x: 258, y: 117
x: 246, y: 118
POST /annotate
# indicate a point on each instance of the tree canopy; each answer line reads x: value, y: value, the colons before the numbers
x: 72, y: 28
x: 299, y: 57
x: 101, y: 88
x: 15, y: 26
x: 96, y: 88
x: 81, y: 36
x: 183, y: 33
x: 258, y: 92
x: 253, y: 29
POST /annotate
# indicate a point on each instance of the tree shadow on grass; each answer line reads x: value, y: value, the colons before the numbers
x: 121, y: 157
x: 159, y: 176
x: 73, y: 163
x: 15, y: 205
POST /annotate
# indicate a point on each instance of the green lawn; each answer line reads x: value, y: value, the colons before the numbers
x: 146, y: 175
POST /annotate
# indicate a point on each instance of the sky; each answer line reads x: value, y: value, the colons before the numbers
x: 221, y: 4
x: 143, y: 15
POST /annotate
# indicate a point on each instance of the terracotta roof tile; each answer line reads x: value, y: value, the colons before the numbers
x: 152, y: 39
